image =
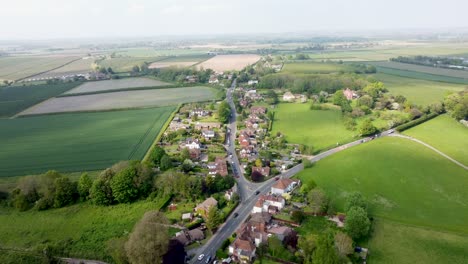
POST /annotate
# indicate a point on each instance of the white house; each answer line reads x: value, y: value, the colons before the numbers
x: 289, y: 97
x: 269, y: 203
x: 283, y: 186
x: 251, y: 82
x: 208, y: 134
x: 192, y: 144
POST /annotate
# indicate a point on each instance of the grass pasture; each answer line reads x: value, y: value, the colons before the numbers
x: 15, y: 68
x: 107, y: 85
x: 423, y: 69
x: 402, y: 180
x: 393, y: 242
x: 445, y: 134
x: 125, y: 64
x: 313, y: 67
x: 421, y: 75
x: 317, y: 128
x: 417, y: 91
x: 123, y: 100
x: 14, y: 99
x: 78, y: 141
x: 83, y: 228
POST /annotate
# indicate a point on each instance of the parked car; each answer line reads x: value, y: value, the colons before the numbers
x: 208, y: 259
x: 257, y: 192
x: 277, y: 178
x: 201, y: 256
x: 236, y: 215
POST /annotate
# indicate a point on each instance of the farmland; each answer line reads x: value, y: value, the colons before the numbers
x: 423, y: 69
x: 229, y: 62
x: 115, y: 85
x: 123, y: 100
x: 417, y: 91
x: 14, y: 99
x: 421, y: 75
x: 76, y: 67
x: 15, y: 68
x: 405, y: 183
x: 317, y: 67
x: 445, y: 134
x: 165, y: 64
x: 125, y: 64
x: 317, y: 128
x: 78, y: 141
x: 83, y: 229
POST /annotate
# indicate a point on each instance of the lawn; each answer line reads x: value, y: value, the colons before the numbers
x: 393, y: 242
x: 445, y: 134
x: 108, y: 85
x: 417, y: 91
x: 403, y: 181
x: 15, y: 68
x: 317, y: 128
x: 123, y: 100
x: 78, y: 141
x: 14, y: 99
x: 313, y: 67
x: 83, y: 228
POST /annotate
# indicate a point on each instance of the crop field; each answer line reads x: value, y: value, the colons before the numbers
x: 15, y: 68
x: 417, y: 91
x: 152, y: 52
x: 165, y: 64
x: 405, y: 183
x: 445, y: 134
x: 76, y: 67
x: 317, y: 128
x: 229, y: 62
x: 107, y: 85
x: 14, y: 99
x: 421, y: 75
x: 123, y: 100
x: 77, y: 141
x: 393, y: 242
x: 423, y: 69
x: 125, y: 64
x: 83, y: 229
x: 317, y: 67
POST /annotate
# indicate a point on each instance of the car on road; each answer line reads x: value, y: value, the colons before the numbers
x: 201, y: 256
x: 208, y: 259
x: 391, y: 131
x: 236, y: 215
x: 276, y: 178
x: 257, y: 192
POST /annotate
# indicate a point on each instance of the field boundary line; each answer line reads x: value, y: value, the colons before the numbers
x: 431, y: 147
x: 56, y: 68
x: 161, y: 132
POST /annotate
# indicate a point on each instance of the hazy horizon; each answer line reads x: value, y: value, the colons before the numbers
x: 53, y: 19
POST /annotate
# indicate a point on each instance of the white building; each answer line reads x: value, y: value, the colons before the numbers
x: 283, y: 186
x: 269, y: 203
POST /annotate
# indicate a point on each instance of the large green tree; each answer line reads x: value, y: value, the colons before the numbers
x: 149, y: 240
x: 325, y: 253
x: 317, y: 200
x: 355, y: 199
x: 65, y: 192
x: 357, y: 223
x: 166, y: 163
x: 84, y: 186
x: 224, y: 112
x: 122, y: 184
x: 367, y: 128
x: 213, y: 218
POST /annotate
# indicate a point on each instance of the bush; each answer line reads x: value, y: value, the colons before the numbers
x: 416, y: 122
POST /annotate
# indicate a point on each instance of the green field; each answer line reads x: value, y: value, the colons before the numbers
x: 403, y: 180
x: 108, y: 85
x: 405, y: 183
x: 313, y: 67
x: 83, y: 228
x: 445, y: 134
x: 422, y: 75
x: 14, y: 99
x: 79, y: 66
x: 14, y: 68
x: 393, y: 242
x: 417, y: 91
x: 317, y: 128
x: 77, y: 142
x: 423, y: 69
x: 125, y: 64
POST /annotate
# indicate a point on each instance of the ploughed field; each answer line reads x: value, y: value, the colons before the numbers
x: 229, y: 62
x: 122, y: 100
x: 77, y: 141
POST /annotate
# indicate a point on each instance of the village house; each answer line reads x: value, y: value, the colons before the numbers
x: 244, y: 102
x: 230, y: 193
x: 195, y: 154
x: 208, y: 134
x: 242, y: 250
x: 213, y: 80
x: 252, y: 94
x: 288, y: 97
x: 350, y: 94
x: 252, y: 82
x: 207, y: 125
x: 258, y: 110
x: 269, y: 203
x: 265, y: 171
x: 199, y: 112
x: 188, y: 237
x: 191, y: 78
x: 280, y: 231
x: 205, y: 206
x: 219, y: 167
x: 191, y: 144
x: 285, y: 185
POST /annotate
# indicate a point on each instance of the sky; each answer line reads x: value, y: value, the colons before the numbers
x: 49, y: 19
